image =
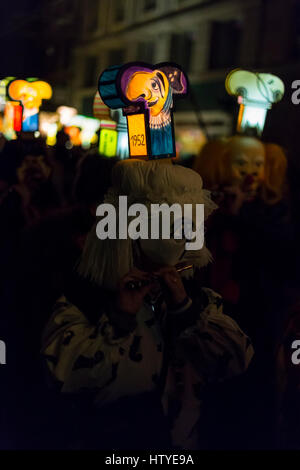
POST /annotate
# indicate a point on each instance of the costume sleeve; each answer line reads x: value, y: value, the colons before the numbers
x: 81, y: 356
x: 210, y: 340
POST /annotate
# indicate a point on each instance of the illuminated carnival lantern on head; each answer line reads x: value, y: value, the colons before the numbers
x: 256, y: 93
x: 108, y: 137
x: 145, y: 93
x: 48, y: 126
x: 12, y: 119
x: 30, y: 94
x: 113, y: 139
x: 82, y: 130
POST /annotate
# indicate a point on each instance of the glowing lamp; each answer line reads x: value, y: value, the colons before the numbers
x: 88, y: 126
x: 48, y: 125
x: 30, y: 95
x: 256, y: 92
x: 108, y: 139
x: 145, y: 93
x: 113, y: 139
x: 65, y: 114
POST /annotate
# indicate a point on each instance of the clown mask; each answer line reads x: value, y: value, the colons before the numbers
x: 247, y: 160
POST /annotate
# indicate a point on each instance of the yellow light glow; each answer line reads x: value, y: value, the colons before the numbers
x: 137, y: 135
x: 108, y: 142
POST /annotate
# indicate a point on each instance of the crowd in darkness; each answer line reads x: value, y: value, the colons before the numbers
x: 48, y: 201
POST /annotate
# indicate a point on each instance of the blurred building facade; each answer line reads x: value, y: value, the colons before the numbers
x: 207, y: 38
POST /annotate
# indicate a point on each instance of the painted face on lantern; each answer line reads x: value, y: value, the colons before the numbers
x: 152, y: 87
x: 247, y: 163
x: 30, y: 98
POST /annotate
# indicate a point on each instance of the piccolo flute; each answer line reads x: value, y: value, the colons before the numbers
x: 139, y: 283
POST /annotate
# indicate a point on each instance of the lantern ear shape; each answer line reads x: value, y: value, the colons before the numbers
x: 273, y: 86
x: 240, y: 82
x: 16, y: 88
x: 43, y: 88
x: 262, y: 87
x: 176, y: 77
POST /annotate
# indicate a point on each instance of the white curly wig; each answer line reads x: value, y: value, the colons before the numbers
x: 106, y: 261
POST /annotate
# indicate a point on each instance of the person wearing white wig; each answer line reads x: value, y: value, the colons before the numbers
x: 168, y: 335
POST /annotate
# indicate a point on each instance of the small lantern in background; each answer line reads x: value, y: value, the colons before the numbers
x: 12, y: 118
x: 145, y: 93
x: 82, y: 130
x: 48, y: 125
x: 30, y: 94
x: 113, y: 139
x: 256, y: 92
x: 65, y: 114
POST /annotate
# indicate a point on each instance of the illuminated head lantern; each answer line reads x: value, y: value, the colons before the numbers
x: 256, y: 93
x: 30, y: 94
x: 145, y: 93
x: 113, y: 138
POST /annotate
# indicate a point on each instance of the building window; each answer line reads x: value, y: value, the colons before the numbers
x: 181, y: 49
x: 119, y: 12
x: 225, y: 41
x: 145, y: 51
x: 149, y: 5
x: 90, y: 71
x: 296, y: 29
x: 92, y: 8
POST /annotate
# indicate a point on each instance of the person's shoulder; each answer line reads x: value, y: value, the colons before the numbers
x: 204, y: 296
x: 63, y: 310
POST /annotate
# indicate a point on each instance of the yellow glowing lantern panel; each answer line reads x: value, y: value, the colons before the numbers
x: 137, y: 135
x: 30, y: 95
x: 108, y: 142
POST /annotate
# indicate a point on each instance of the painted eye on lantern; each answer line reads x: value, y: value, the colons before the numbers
x: 154, y: 85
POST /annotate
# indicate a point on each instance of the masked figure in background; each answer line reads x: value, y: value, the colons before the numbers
x: 250, y: 235
x: 146, y: 355
x: 251, y: 241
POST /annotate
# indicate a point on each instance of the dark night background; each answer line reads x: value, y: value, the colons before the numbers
x: 69, y: 43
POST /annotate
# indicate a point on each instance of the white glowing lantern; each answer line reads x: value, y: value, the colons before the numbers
x: 88, y: 126
x: 48, y: 126
x: 256, y: 93
x: 65, y: 114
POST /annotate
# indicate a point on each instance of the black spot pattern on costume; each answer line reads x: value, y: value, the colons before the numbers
x: 133, y: 351
x: 121, y: 351
x: 67, y: 337
x: 84, y: 362
x: 114, y: 370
